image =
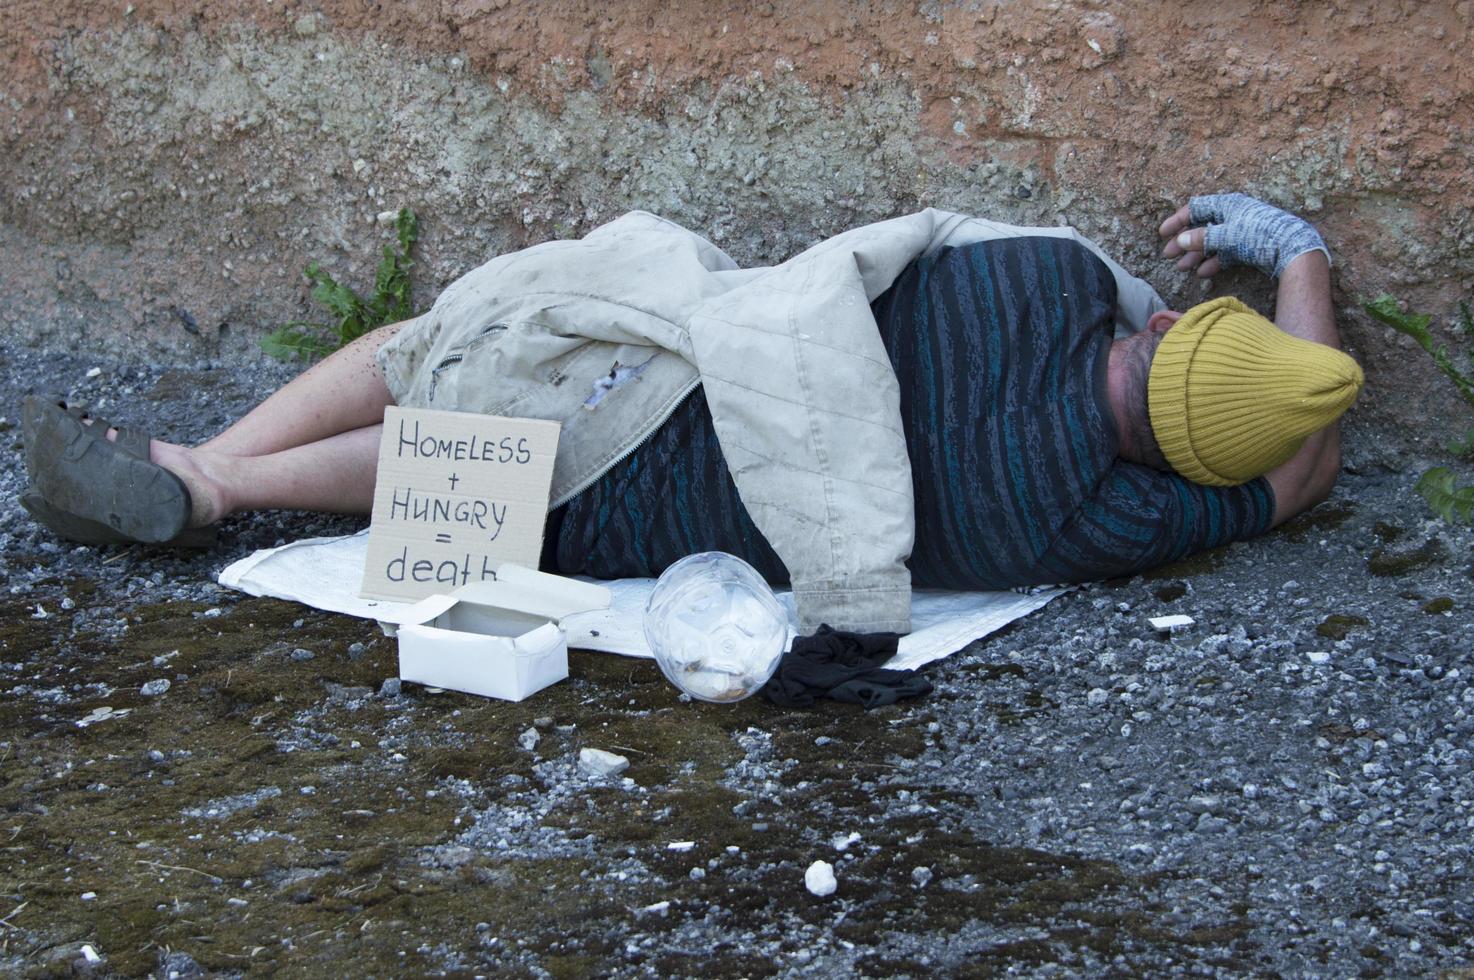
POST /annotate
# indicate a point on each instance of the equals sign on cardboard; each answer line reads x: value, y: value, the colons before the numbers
x: 442, y: 539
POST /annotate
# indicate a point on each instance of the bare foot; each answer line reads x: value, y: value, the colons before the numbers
x: 202, y: 476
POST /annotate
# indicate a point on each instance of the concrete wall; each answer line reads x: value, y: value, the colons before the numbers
x: 168, y: 166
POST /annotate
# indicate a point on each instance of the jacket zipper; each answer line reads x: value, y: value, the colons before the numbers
x: 645, y: 437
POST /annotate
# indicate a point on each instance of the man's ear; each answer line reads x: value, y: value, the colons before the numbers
x: 1162, y: 320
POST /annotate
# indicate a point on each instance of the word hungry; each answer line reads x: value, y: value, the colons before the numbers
x: 431, y: 508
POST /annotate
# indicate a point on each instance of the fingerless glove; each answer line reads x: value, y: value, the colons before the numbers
x: 1246, y: 231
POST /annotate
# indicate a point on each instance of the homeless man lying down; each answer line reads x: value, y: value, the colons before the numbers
x: 934, y: 399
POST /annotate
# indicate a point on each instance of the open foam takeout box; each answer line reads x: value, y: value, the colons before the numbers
x: 499, y: 639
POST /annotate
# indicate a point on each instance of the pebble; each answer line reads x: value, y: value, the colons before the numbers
x: 921, y: 876
x: 1318, y: 656
x: 355, y: 650
x: 300, y: 654
x: 1204, y: 804
x: 154, y: 688
x: 597, y: 762
x: 390, y: 688
x: 529, y: 739
x: 819, y: 879
x: 1097, y: 697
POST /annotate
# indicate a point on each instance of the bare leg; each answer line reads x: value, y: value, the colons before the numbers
x: 341, y: 393
x: 335, y: 474
x: 313, y: 445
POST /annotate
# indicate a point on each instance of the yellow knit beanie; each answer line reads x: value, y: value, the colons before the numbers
x: 1231, y: 396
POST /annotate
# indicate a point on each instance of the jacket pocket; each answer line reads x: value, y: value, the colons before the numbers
x: 456, y: 355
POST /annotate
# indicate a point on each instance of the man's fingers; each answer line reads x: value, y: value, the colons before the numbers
x: 1189, y: 260
x: 1190, y: 240
x: 1175, y: 223
x: 1209, y: 268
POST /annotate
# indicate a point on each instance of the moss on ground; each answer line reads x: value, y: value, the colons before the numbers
x: 1387, y: 562
x: 1337, y: 625
x: 271, y: 812
x: 1318, y: 521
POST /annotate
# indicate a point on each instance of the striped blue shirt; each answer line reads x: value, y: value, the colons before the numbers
x: 1000, y: 349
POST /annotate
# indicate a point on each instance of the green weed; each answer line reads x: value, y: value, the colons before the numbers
x: 1415, y: 325
x: 1449, y: 501
x: 353, y: 316
x: 1439, y: 486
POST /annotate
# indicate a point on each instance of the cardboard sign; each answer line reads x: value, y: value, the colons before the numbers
x: 457, y: 495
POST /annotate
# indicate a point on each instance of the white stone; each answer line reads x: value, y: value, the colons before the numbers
x: 819, y: 879
x: 1097, y: 697
x: 529, y: 739
x: 1318, y: 656
x: 597, y: 762
x: 154, y: 688
x: 680, y: 845
x: 1171, y: 624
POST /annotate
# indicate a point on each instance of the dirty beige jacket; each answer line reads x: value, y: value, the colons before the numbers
x: 609, y: 333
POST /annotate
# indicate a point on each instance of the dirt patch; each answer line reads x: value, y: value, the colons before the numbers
x: 170, y: 166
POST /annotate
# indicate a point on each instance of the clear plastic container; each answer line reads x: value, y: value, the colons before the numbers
x: 715, y: 627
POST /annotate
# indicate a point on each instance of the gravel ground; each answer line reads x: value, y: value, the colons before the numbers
x: 1286, y: 786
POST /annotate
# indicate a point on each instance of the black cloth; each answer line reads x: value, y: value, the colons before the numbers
x: 843, y: 667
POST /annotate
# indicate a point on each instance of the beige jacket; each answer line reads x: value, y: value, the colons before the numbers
x: 609, y: 333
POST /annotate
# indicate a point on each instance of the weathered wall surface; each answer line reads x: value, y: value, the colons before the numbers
x: 168, y: 166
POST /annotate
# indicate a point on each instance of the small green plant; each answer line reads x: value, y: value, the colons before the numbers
x: 1449, y: 501
x: 353, y: 316
x: 1439, y: 486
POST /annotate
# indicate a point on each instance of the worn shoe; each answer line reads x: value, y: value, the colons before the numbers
x: 81, y: 530
x: 81, y: 474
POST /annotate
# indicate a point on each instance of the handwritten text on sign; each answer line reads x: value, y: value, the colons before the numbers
x: 457, y: 495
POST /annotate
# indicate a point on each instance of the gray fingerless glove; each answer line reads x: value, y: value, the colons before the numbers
x: 1246, y: 231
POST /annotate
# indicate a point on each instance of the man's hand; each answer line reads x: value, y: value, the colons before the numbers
x: 1216, y: 231
x: 1242, y: 230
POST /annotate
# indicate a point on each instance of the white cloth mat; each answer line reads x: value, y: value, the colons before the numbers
x: 325, y: 573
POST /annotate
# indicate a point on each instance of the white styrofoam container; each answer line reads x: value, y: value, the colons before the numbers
x: 499, y: 639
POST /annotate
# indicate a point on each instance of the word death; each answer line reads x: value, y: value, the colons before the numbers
x: 431, y: 508
x: 449, y: 571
